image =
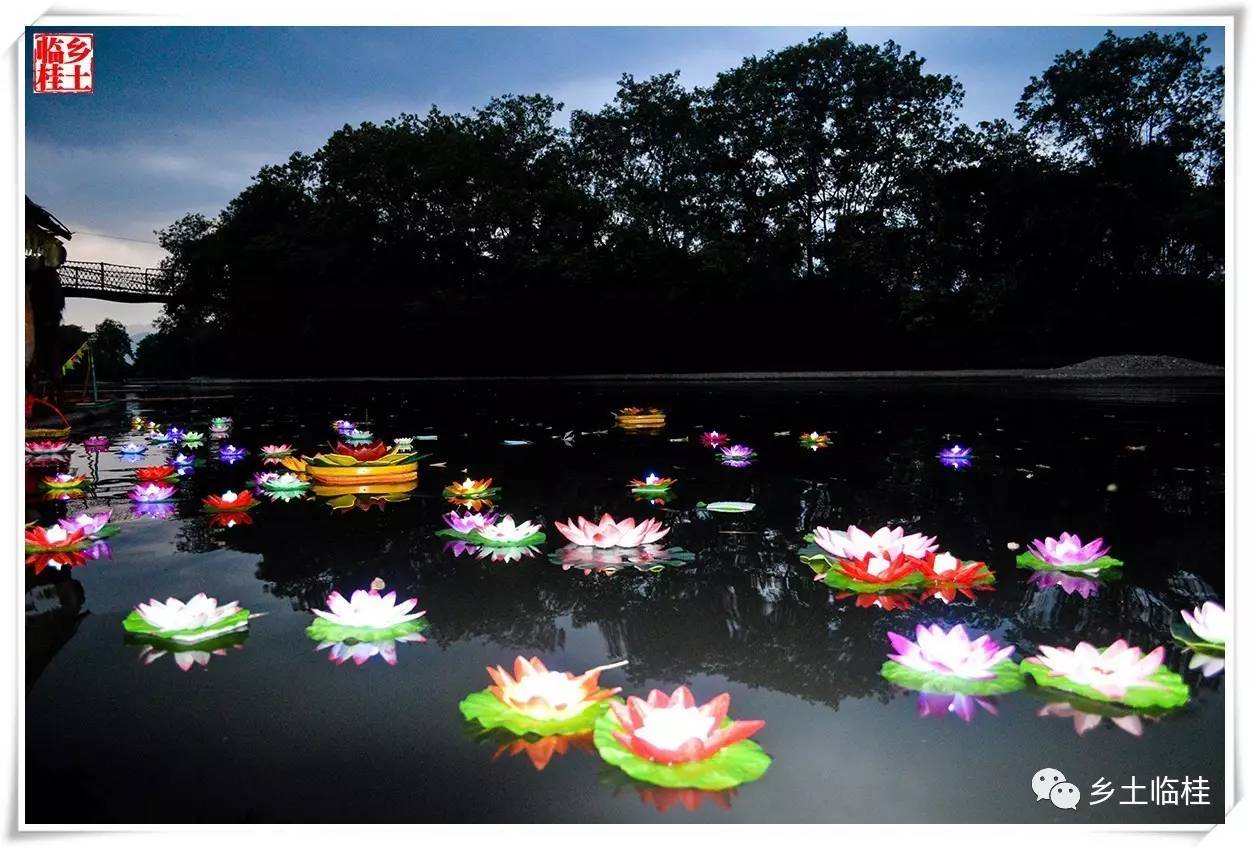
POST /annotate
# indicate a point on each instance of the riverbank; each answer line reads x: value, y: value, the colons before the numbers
x: 1104, y: 367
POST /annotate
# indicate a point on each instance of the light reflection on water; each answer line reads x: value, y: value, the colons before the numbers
x: 272, y: 728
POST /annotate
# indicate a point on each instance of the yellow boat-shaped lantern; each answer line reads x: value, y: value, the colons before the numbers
x: 633, y: 417
x: 351, y: 467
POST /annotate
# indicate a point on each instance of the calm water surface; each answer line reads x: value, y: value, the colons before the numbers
x: 274, y: 731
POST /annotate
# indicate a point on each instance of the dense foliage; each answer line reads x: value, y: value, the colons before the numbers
x: 820, y: 207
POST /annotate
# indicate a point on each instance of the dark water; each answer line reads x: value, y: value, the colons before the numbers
x: 273, y: 731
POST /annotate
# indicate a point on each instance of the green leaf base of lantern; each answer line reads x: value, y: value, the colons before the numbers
x: 486, y: 709
x: 741, y: 762
x: 136, y: 625
x: 1008, y: 678
x: 1030, y: 561
x: 324, y: 630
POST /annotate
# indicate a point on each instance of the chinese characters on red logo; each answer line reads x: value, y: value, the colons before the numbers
x: 64, y: 62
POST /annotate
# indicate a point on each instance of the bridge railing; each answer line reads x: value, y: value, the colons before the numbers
x: 106, y: 278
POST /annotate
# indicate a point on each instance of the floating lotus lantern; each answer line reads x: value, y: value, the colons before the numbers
x: 282, y: 483
x: 947, y: 575
x: 651, y: 485
x: 669, y: 741
x: 1084, y: 586
x: 156, y: 436
x: 507, y: 533
x: 131, y: 448
x: 636, y: 417
x: 183, y: 460
x: 537, y: 701
x: 359, y: 465
x: 714, y: 439
x: 54, y: 539
x: 174, y: 434
x: 137, y: 423
x: 193, y: 439
x: 463, y: 526
x: 221, y: 425
x: 950, y: 663
x: 152, y: 492
x: 47, y: 448
x: 859, y: 561
x: 96, y: 443
x: 198, y: 620
x: 343, y: 427
x: 1118, y: 673
x: 471, y: 489
x: 404, y: 445
x: 63, y: 482
x: 609, y: 546
x: 359, y: 435
x: 737, y: 456
x: 93, y: 525
x: 964, y: 706
x: 814, y: 440
x: 956, y: 457
x: 276, y: 451
x: 367, y: 616
x: 230, y: 454
x: 230, y: 501
x: 155, y: 473
x: 1069, y: 554
x: 1207, y: 629
x: 610, y: 533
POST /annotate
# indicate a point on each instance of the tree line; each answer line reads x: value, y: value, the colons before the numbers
x: 820, y: 207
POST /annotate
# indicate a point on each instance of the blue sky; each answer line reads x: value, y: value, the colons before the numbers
x: 182, y: 117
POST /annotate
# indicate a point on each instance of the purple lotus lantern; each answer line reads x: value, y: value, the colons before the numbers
x: 956, y: 457
x: 153, y: 492
x: 469, y: 522
x: 230, y: 454
x: 91, y: 524
x: 96, y: 443
x: 737, y: 456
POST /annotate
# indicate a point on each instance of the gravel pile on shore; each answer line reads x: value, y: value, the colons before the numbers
x: 1135, y: 365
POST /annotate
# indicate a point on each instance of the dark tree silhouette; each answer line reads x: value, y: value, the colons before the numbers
x: 818, y: 207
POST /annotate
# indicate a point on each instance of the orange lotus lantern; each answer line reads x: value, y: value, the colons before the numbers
x: 537, y: 701
x: 637, y: 417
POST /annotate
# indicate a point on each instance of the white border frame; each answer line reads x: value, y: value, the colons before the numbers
x: 643, y: 13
